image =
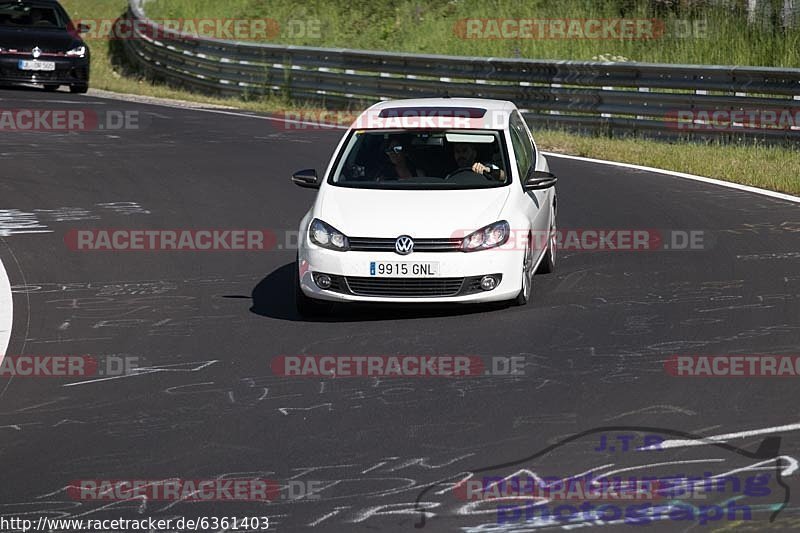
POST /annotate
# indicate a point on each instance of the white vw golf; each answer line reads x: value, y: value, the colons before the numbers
x: 428, y: 200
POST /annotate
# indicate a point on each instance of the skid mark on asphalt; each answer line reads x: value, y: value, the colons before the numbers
x: 769, y: 256
x: 654, y: 410
x: 191, y: 366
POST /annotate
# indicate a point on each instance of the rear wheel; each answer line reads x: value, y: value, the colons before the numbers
x: 78, y: 89
x: 51, y: 88
x: 308, y: 307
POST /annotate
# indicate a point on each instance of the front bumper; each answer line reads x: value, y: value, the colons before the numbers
x: 458, y: 274
x: 69, y: 71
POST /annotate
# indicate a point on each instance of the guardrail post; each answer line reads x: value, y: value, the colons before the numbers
x: 287, y: 74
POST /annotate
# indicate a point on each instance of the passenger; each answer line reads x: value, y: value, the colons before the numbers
x: 399, y: 165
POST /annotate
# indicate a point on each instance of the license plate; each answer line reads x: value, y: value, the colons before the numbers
x: 37, y: 65
x: 385, y: 269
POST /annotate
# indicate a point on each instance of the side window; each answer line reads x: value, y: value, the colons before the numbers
x: 526, y: 134
x: 523, y: 148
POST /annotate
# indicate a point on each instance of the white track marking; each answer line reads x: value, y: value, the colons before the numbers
x: 179, y: 104
x: 154, y: 100
x: 681, y: 443
x: 730, y: 185
x: 6, y: 311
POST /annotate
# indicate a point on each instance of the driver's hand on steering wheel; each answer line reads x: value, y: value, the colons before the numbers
x: 483, y: 170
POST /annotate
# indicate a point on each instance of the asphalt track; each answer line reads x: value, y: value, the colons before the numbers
x: 207, y: 325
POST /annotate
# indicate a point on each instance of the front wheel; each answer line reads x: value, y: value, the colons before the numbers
x: 548, y: 263
x: 524, y: 295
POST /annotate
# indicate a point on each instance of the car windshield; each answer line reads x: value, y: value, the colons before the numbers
x: 31, y: 15
x: 422, y: 159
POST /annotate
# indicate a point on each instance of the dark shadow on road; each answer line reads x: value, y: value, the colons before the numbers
x: 273, y: 297
x: 30, y: 87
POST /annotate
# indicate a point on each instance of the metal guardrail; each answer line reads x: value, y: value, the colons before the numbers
x: 610, y: 98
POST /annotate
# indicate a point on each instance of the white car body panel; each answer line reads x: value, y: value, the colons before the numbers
x: 421, y: 214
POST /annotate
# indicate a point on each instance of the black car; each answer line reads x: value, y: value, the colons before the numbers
x: 39, y: 44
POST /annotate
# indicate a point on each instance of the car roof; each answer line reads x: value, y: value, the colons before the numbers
x: 496, y: 111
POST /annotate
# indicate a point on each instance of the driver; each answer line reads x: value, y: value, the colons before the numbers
x: 37, y: 18
x: 465, y: 155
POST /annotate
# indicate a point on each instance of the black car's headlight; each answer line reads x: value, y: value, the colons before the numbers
x: 490, y: 236
x: 78, y: 51
x: 327, y: 236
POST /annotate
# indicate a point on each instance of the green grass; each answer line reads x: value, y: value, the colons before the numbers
x: 768, y: 167
x: 109, y: 76
x: 428, y: 27
x: 773, y: 168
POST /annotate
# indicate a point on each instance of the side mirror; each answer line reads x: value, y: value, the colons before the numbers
x: 538, y: 181
x: 83, y: 28
x: 306, y: 178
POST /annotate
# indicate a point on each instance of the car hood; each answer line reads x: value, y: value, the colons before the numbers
x: 47, y: 40
x: 420, y: 214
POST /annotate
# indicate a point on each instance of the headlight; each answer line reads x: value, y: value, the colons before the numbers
x: 491, y: 236
x: 327, y: 236
x: 80, y: 51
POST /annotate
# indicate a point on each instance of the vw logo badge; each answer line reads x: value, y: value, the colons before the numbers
x: 404, y: 245
x: 37, y: 52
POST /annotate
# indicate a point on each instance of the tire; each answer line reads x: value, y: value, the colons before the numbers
x: 78, y: 89
x: 524, y: 295
x: 548, y: 264
x: 51, y: 88
x: 308, y: 307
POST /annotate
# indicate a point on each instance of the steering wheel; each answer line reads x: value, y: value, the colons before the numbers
x: 459, y: 171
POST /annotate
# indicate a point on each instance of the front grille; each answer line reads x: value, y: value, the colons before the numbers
x: 368, y: 244
x: 405, y: 287
x: 41, y: 75
x: 29, y: 53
